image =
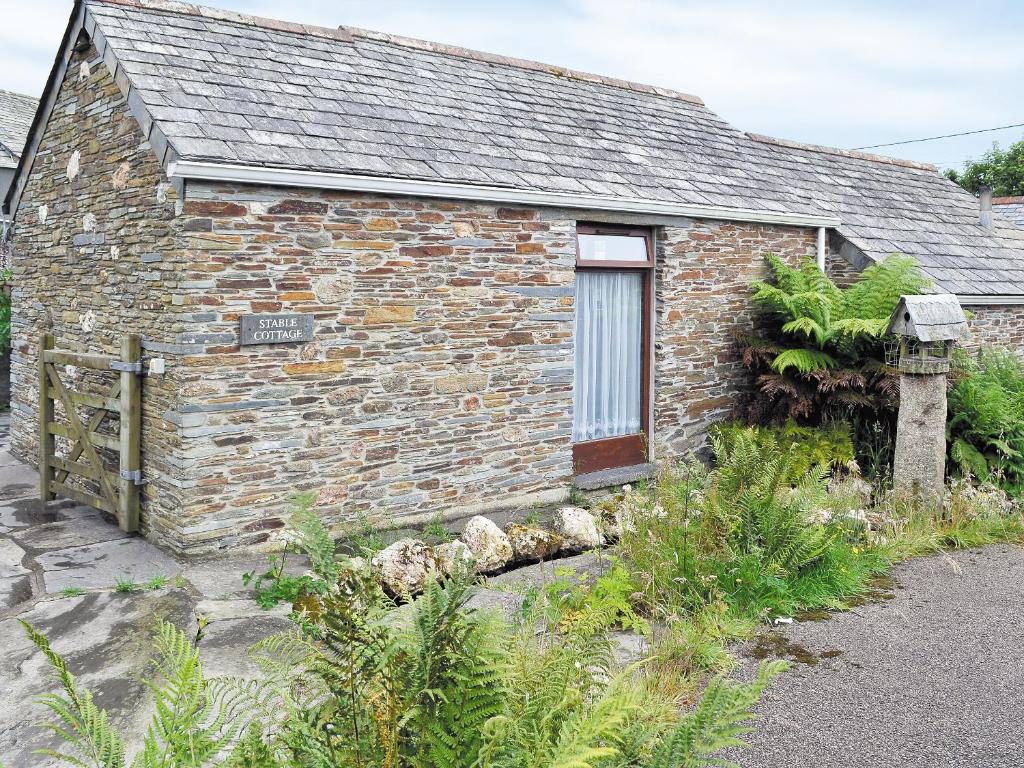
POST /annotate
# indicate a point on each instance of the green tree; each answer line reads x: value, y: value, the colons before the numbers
x: 1002, y: 170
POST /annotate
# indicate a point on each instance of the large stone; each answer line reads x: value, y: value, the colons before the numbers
x: 578, y: 527
x: 530, y: 543
x: 405, y: 567
x: 451, y: 555
x: 490, y: 546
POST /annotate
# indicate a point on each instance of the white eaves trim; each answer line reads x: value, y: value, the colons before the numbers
x: 980, y: 300
x: 281, y: 177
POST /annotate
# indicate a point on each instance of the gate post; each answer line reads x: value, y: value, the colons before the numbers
x: 45, y: 417
x: 131, y: 437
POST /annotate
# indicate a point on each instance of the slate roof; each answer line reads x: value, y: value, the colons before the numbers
x: 227, y: 88
x: 233, y: 89
x: 889, y: 206
x: 1010, y: 208
x: 16, y: 113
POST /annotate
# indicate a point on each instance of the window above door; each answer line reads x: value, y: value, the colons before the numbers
x: 613, y: 247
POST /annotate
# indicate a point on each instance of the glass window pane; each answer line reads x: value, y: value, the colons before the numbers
x: 612, y: 248
x: 606, y: 390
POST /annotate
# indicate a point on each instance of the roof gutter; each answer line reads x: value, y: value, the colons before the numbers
x: 282, y: 177
x: 981, y: 300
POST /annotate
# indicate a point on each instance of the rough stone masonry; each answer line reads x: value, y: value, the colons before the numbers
x: 439, y: 377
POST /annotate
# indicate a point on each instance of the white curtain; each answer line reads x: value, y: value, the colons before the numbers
x: 606, y: 392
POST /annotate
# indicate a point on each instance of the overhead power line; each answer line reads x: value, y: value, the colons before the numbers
x: 946, y: 136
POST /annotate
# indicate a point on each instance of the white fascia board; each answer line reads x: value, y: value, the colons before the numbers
x: 980, y: 300
x: 281, y: 177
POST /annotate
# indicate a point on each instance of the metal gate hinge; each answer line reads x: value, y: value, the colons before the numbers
x: 119, y: 365
x: 135, y: 475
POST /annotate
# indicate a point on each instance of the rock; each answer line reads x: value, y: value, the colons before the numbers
x: 532, y: 543
x: 405, y: 567
x: 856, y: 489
x: 451, y: 555
x: 490, y: 546
x: 578, y: 527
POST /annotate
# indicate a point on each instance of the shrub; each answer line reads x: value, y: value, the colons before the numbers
x: 829, y: 446
x: 986, y: 419
x: 744, y: 535
x: 5, y: 314
x: 819, y: 357
x: 310, y: 537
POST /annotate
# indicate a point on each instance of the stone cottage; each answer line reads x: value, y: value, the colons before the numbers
x: 415, y: 279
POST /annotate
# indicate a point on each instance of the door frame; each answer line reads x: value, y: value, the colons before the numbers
x: 624, y: 450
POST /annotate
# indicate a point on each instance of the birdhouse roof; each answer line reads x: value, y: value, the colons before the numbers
x: 935, y: 317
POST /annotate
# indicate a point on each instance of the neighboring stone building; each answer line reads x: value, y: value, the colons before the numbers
x: 502, y: 277
x: 16, y: 112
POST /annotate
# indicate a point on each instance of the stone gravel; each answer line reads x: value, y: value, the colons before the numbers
x: 931, y: 676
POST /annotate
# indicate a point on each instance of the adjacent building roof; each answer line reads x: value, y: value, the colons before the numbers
x: 16, y: 113
x: 1010, y: 208
x: 229, y: 96
x: 888, y: 206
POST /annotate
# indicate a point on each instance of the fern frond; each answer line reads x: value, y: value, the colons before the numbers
x: 803, y: 360
x: 718, y: 722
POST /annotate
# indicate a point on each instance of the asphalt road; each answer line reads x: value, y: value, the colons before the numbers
x: 931, y: 673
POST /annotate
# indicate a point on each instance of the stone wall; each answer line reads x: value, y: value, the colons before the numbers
x: 703, y: 276
x: 439, y: 380
x: 94, y: 259
x: 995, y: 326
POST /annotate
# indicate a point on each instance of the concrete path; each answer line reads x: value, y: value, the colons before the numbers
x: 46, y: 553
x: 931, y: 673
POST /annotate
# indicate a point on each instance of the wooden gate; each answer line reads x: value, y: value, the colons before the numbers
x: 110, y: 480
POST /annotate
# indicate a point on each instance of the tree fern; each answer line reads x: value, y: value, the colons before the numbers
x: 83, y: 727
x: 803, y: 360
x: 819, y: 353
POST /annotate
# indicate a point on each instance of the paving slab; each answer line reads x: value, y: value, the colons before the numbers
x: 99, y: 566
x: 106, y: 639
x: 11, y: 556
x: 14, y: 590
x: 588, y: 564
x: 223, y: 578
x: 932, y: 676
x: 30, y: 511
x: 86, y: 529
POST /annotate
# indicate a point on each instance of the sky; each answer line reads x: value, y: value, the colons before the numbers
x: 832, y: 72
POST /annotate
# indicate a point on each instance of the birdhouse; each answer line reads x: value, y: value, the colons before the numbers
x: 926, y: 328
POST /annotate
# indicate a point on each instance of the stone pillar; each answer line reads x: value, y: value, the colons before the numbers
x: 920, y: 463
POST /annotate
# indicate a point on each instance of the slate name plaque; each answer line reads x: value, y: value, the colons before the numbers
x: 275, y: 329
